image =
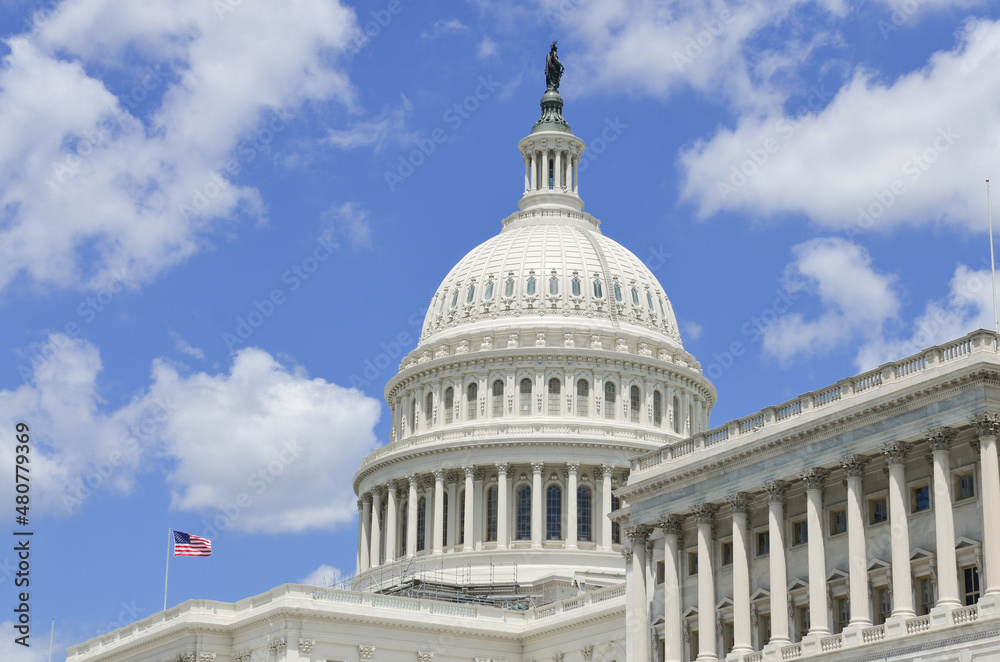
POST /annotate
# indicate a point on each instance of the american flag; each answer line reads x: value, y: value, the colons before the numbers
x: 186, y: 544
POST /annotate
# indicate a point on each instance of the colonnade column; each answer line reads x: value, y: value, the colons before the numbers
x: 987, y: 428
x: 571, y: 524
x: 470, y: 508
x: 376, y: 537
x: 366, y: 533
x: 557, y: 182
x: 606, y: 470
x: 704, y: 515
x: 776, y: 558
x: 411, y: 517
x: 944, y: 518
x: 742, y: 642
x: 576, y: 177
x: 854, y: 467
x: 536, y: 504
x: 503, y: 498
x: 438, y: 529
x: 362, y: 538
x: 452, y: 533
x: 902, y: 586
x: 818, y: 619
x: 390, y: 522
x: 673, y: 644
x: 527, y: 173
x: 638, y: 628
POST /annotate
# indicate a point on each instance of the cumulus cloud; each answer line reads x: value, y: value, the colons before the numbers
x: 95, y: 180
x: 444, y: 27
x: 389, y: 126
x: 856, y: 300
x: 487, y: 47
x: 872, y: 155
x: 265, y: 445
x: 325, y: 575
x: 346, y: 223
x: 184, y: 347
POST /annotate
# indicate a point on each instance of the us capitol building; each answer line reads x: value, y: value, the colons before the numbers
x: 552, y: 488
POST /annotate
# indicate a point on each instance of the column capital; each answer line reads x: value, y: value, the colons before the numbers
x: 469, y: 470
x: 739, y: 502
x: 391, y: 485
x: 451, y: 477
x: 854, y: 465
x: 438, y: 474
x: 414, y: 480
x: 704, y: 513
x: 379, y: 491
x: 775, y: 490
x: 671, y: 524
x: 573, y: 467
x: 607, y: 470
x: 814, y: 477
x: 638, y: 533
x: 940, y: 438
x: 367, y: 496
x: 503, y: 467
x: 479, y: 474
x: 987, y: 424
x: 895, y: 452
x: 536, y: 467
x: 361, y: 503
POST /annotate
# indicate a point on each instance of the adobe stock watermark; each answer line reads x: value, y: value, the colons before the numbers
x: 454, y: 117
x: 713, y: 28
x: 753, y: 330
x: 129, y: 613
x: 902, y: 12
x: 613, y: 129
x: 390, y: 354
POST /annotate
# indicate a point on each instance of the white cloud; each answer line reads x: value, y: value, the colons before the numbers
x: 92, y: 182
x: 266, y: 446
x: 325, y: 575
x: 390, y: 125
x: 856, y: 300
x: 182, y: 345
x: 347, y: 223
x: 487, y: 47
x: 37, y: 652
x: 443, y: 28
x: 876, y: 155
x: 691, y: 330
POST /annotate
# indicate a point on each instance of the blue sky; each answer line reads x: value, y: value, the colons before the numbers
x: 221, y: 222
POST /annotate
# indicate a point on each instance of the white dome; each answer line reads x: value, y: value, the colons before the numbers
x: 580, y: 277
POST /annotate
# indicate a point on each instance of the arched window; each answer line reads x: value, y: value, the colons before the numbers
x: 488, y: 291
x: 522, y: 530
x: 583, y: 514
x: 461, y: 517
x: 404, y: 513
x: 454, y: 298
x: 618, y: 293
x: 444, y: 300
x: 582, y: 397
x: 598, y: 289
x: 530, y: 289
x: 649, y: 302
x: 491, y: 514
x: 555, y: 388
x: 576, y: 287
x: 508, y: 288
x: 553, y: 513
x: 444, y: 529
x: 498, y: 398
x: 470, y: 295
x: 471, y: 401
x: 657, y: 408
x: 633, y: 403
x: 449, y: 405
x: 616, y: 529
x: 524, y: 401
x: 609, y: 400
x: 421, y: 522
x: 677, y: 414
x: 428, y: 411
x: 635, y: 297
x: 554, y: 285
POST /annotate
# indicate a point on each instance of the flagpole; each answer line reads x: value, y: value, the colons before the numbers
x: 167, y: 575
x: 51, y: 635
x: 989, y: 212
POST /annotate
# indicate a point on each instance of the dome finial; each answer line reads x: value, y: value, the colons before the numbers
x: 552, y: 103
x: 553, y: 69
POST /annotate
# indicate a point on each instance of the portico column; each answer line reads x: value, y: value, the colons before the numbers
x: 988, y: 427
x: 606, y: 470
x: 438, y: 511
x: 376, y: 538
x: 362, y: 538
x: 776, y: 556
x: 818, y: 619
x: 452, y: 532
x: 502, y: 499
x: 527, y: 173
x: 854, y: 467
x: 742, y: 642
x: 366, y: 534
x: 470, y: 506
x: 638, y: 628
x: 557, y: 171
x: 704, y: 514
x: 479, y: 478
x: 536, y: 504
x: 411, y: 517
x: 902, y: 585
x: 944, y: 518
x: 673, y: 647
x: 571, y: 524
x: 390, y: 521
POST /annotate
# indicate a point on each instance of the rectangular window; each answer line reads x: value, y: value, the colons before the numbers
x: 920, y: 498
x: 660, y: 568
x: 925, y: 596
x: 728, y: 638
x: 764, y: 628
x: 802, y: 618
x: 882, y: 606
x: 878, y: 510
x: 838, y: 521
x: 800, y: 532
x: 692, y: 563
x: 965, y: 486
x: 843, y: 613
x: 970, y: 584
x: 726, y: 553
x: 763, y: 543
x: 694, y: 645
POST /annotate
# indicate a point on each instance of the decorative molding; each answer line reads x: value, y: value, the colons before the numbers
x: 627, y: 554
x: 306, y: 646
x: 243, y: 656
x: 206, y: 657
x: 277, y: 646
x: 185, y: 657
x: 425, y: 656
x: 587, y: 652
x: 366, y: 652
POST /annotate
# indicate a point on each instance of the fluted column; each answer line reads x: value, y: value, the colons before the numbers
x: 673, y: 646
x: 638, y: 627
x: 536, y: 504
x: 366, y: 534
x: 503, y: 498
x: 527, y: 173
x: 452, y: 519
x: 742, y: 641
x: 818, y: 618
x: 438, y: 529
x: 376, y: 537
x: 362, y: 538
x: 854, y: 467
x: 606, y: 471
x: 391, y: 517
x: 571, y: 525
x: 478, y: 515
x: 557, y: 171
x: 470, y: 507
x: 987, y: 428
x: 411, y: 517
x: 704, y: 514
x: 944, y: 518
x: 776, y: 559
x: 902, y: 584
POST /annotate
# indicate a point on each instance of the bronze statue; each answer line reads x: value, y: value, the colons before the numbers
x: 553, y: 69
